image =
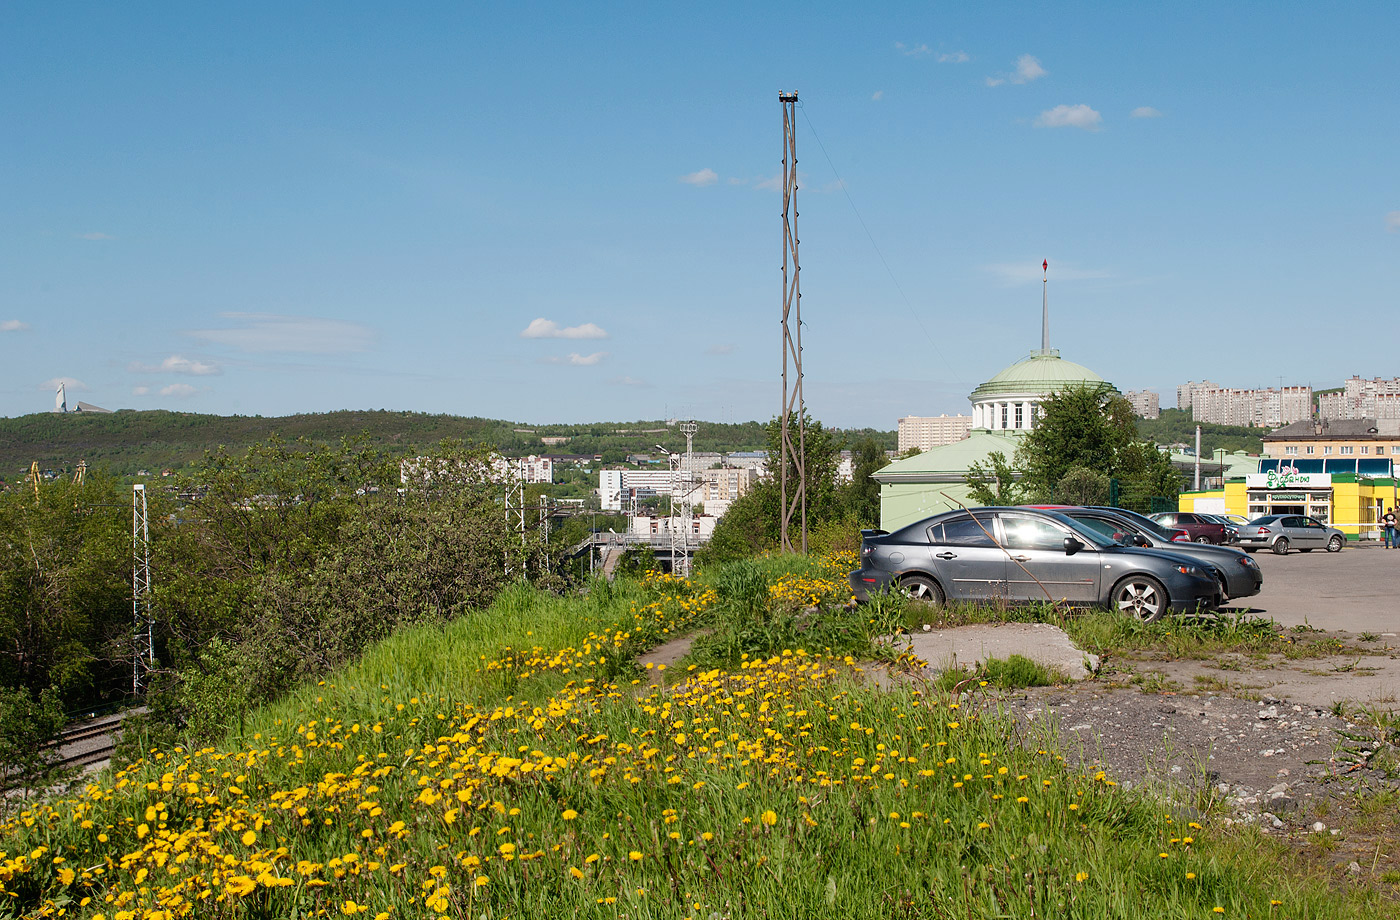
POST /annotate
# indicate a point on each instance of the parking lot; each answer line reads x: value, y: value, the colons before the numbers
x: 1357, y: 590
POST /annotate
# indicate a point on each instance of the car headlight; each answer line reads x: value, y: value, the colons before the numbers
x: 1248, y: 562
x: 1191, y: 570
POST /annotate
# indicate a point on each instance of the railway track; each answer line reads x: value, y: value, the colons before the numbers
x: 94, y: 741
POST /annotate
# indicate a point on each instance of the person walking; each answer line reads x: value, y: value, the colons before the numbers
x: 1388, y: 521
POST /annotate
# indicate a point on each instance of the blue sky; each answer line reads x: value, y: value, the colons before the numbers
x: 567, y: 212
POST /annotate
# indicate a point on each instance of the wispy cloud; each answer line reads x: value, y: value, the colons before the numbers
x: 628, y: 382
x: 1070, y: 116
x: 13, y: 325
x: 577, y: 360
x: 94, y: 236
x: 178, y: 390
x: 1029, y: 271
x: 912, y: 50
x: 704, y: 176
x: 1027, y: 70
x: 70, y: 383
x: 877, y: 95
x: 270, y: 332
x: 140, y: 391
x: 1144, y: 111
x: 954, y: 57
x: 719, y: 350
x: 176, y: 364
x: 1392, y: 222
x: 542, y: 328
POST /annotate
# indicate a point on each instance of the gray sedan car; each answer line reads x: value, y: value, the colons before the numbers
x: 1238, y: 574
x: 1282, y: 532
x: 1017, y: 555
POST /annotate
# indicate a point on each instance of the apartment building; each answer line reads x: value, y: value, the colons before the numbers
x: 928, y: 432
x: 1377, y: 398
x: 1345, y: 439
x: 1272, y: 407
x: 1146, y: 403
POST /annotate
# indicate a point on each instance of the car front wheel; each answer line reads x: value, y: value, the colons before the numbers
x: 1334, y: 545
x: 922, y: 589
x: 1203, y: 539
x: 1141, y: 597
x: 1281, y: 546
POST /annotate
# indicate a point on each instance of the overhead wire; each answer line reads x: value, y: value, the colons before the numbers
x: 876, y: 246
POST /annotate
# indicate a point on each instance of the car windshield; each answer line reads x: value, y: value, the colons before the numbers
x: 1144, y: 522
x: 1107, y: 529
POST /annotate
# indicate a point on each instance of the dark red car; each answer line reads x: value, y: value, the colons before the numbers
x: 1198, y: 527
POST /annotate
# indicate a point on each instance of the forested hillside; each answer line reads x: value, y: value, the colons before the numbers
x: 1176, y: 427
x: 127, y: 441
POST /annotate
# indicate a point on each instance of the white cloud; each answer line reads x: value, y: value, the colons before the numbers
x: 270, y: 332
x: 1392, y: 222
x: 542, y: 328
x: 877, y: 95
x: 772, y: 183
x: 628, y: 382
x: 178, y: 389
x: 140, y: 391
x: 1070, y: 116
x: 704, y: 176
x: 13, y: 325
x: 954, y: 57
x: 1027, y: 69
x: 911, y: 50
x: 95, y: 236
x: 1030, y: 270
x: 1144, y: 111
x: 71, y: 383
x: 719, y: 350
x: 176, y: 364
x: 577, y: 360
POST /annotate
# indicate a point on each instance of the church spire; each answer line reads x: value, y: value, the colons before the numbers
x: 1045, y: 308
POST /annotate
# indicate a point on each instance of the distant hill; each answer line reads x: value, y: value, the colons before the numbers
x: 1175, y: 426
x: 127, y: 441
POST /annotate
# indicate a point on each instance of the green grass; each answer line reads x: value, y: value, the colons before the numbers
x: 492, y: 768
x: 1013, y: 673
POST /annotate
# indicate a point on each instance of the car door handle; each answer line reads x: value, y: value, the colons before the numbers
x: 947, y: 555
x: 1020, y: 558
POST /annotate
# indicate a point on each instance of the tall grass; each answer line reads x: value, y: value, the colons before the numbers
x: 490, y: 768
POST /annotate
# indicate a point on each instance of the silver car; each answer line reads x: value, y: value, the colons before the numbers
x: 1021, y: 555
x: 1282, y: 532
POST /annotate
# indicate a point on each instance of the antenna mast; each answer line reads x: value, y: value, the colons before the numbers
x: 143, y: 654
x: 795, y: 504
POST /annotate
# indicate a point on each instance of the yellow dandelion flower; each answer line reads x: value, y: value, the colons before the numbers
x: 635, y: 856
x: 249, y: 838
x: 769, y: 817
x: 1081, y: 876
x: 569, y: 814
x: 576, y: 872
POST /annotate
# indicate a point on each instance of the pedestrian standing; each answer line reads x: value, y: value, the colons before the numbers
x: 1391, y: 541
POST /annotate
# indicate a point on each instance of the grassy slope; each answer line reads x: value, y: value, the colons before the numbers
x: 490, y: 768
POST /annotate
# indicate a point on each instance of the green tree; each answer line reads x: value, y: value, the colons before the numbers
x: 863, y: 493
x: 1081, y: 486
x: 29, y: 731
x: 994, y: 482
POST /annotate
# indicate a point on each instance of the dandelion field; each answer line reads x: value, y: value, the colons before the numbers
x: 514, y: 764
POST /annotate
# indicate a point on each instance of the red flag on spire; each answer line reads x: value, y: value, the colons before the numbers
x: 1045, y: 265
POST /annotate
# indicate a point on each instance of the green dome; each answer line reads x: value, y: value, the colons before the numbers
x: 1041, y: 372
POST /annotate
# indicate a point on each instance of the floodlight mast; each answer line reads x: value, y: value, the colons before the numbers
x: 792, y: 457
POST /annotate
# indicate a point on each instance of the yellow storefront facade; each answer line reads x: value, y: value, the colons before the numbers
x: 1351, y: 502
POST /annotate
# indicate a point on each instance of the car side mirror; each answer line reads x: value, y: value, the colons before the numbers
x: 1072, y: 546
x: 1139, y: 540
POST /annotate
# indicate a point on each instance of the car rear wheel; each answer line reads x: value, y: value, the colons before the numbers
x: 922, y: 589
x: 1334, y: 545
x: 1141, y: 597
x: 1281, y: 546
x: 1203, y: 539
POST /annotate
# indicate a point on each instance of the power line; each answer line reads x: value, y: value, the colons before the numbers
x: 876, y: 246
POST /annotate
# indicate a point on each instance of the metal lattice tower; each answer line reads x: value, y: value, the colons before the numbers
x: 142, y: 631
x: 677, y: 524
x: 685, y: 483
x: 515, y: 517
x: 793, y: 457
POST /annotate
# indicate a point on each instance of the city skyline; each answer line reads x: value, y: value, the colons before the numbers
x: 546, y: 214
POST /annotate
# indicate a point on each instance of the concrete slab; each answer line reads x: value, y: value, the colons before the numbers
x: 967, y: 646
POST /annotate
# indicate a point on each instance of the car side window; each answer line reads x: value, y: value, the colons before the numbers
x: 1032, y: 533
x: 963, y: 531
x: 1102, y: 527
x: 1292, y: 522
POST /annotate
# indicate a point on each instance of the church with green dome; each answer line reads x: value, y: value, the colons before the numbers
x: 1003, y: 410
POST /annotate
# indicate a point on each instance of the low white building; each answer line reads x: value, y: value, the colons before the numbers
x: 702, y: 526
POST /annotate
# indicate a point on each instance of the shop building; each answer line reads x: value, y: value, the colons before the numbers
x: 1347, y: 493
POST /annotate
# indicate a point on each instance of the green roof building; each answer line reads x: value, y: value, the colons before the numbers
x: 1003, y: 409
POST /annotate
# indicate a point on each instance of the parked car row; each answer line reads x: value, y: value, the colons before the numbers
x: 1084, y: 556
x: 1278, y: 532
